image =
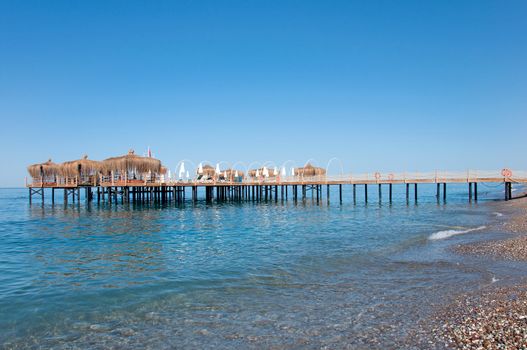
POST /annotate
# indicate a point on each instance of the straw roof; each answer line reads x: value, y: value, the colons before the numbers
x: 310, y: 170
x: 44, y: 169
x: 208, y: 170
x: 252, y: 172
x: 82, y: 166
x: 133, y: 163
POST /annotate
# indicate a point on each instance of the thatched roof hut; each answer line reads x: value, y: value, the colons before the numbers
x: 46, y: 169
x: 132, y: 163
x: 83, y: 167
x: 252, y: 172
x: 310, y: 170
x: 208, y: 170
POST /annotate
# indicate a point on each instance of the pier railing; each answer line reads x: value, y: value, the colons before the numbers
x: 371, y: 177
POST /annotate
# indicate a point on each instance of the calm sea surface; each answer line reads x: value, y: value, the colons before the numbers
x: 246, y: 275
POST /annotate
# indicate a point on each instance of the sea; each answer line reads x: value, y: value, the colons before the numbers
x: 245, y: 275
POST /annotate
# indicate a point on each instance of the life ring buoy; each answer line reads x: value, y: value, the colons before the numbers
x: 377, y: 175
x: 506, y: 172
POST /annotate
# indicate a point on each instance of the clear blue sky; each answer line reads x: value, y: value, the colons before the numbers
x: 382, y: 85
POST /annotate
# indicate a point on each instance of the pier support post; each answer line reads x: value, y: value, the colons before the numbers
x: 444, y: 191
x: 415, y: 192
x: 476, y: 191
x: 407, y: 192
x: 340, y: 193
x: 366, y: 193
x: 52, y: 196
x: 390, y: 192
x: 327, y: 193
x: 470, y: 191
x: 354, y: 194
x: 508, y: 191
x: 380, y: 193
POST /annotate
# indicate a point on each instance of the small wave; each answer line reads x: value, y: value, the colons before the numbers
x: 449, y: 233
x: 497, y: 214
x: 494, y: 279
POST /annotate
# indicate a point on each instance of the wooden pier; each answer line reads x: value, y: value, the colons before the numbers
x: 115, y: 189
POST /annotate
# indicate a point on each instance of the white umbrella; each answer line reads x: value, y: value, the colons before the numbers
x: 225, y: 173
x: 283, y: 171
x: 169, y: 175
x: 257, y: 173
x: 275, y: 172
x: 200, y: 169
x: 187, y: 175
x: 265, y: 172
x: 218, y: 168
x: 182, y: 169
x: 236, y: 173
x: 292, y: 171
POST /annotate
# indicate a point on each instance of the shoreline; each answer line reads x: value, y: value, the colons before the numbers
x: 494, y: 317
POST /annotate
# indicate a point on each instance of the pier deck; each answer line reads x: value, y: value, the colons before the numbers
x: 111, y: 189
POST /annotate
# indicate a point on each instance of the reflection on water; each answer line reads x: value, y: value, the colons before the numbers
x: 225, y: 275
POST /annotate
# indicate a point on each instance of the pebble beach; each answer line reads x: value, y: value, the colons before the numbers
x: 496, y: 317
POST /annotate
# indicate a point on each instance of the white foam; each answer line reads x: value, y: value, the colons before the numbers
x: 449, y: 233
x: 497, y: 214
x: 494, y: 279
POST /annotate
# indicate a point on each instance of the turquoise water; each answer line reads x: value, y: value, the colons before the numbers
x: 248, y: 275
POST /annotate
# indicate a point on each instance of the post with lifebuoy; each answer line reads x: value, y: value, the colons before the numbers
x: 507, y: 173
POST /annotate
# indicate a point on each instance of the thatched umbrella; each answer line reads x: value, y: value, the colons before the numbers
x: 310, y: 170
x: 82, y: 167
x: 252, y: 172
x: 132, y: 163
x: 46, y: 169
x: 208, y: 170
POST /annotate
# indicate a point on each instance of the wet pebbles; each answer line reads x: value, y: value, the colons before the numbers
x: 495, y: 318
